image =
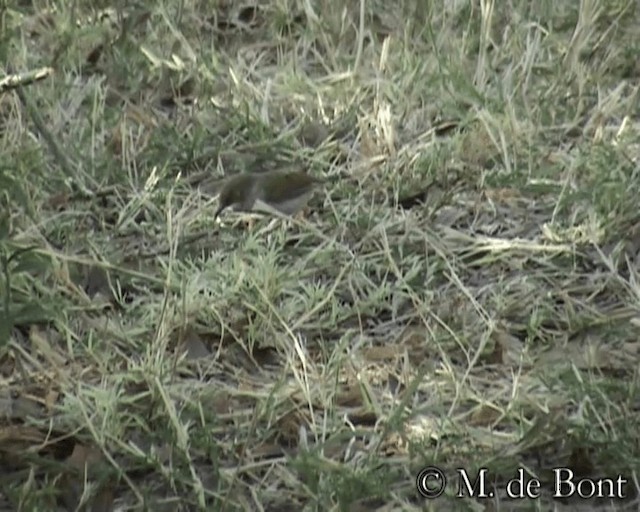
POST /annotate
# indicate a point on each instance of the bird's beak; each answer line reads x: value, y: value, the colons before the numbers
x: 218, y: 212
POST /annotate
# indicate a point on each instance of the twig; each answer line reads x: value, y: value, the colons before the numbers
x: 15, y: 80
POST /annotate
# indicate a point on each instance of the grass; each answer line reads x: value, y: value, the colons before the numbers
x: 463, y: 293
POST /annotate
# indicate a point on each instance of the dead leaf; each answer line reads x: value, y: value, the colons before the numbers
x: 194, y: 346
x: 41, y: 345
x: 94, y: 55
x: 395, y: 384
x: 265, y: 356
x: 221, y: 403
x: 182, y: 92
x: 267, y: 451
x: 445, y: 127
x: 512, y: 348
x: 14, y: 434
x: 7, y: 367
x: 393, y: 444
x: 413, y: 200
x: 580, y: 462
x: 85, y: 461
x: 58, y: 201
x: 368, y: 147
x: 369, y: 504
x: 631, y: 348
x: 412, y: 335
x: 497, y: 354
x: 349, y: 396
x: 381, y: 353
x: 84, y: 457
x: 336, y: 448
x: 15, y: 406
x: 288, y: 427
x: 6, y: 403
x: 484, y: 416
x: 478, y: 148
x: 313, y: 134
x: 97, y: 281
x: 51, y: 399
x: 363, y: 417
x: 104, y: 498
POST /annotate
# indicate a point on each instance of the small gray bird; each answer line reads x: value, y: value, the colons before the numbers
x: 284, y: 191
